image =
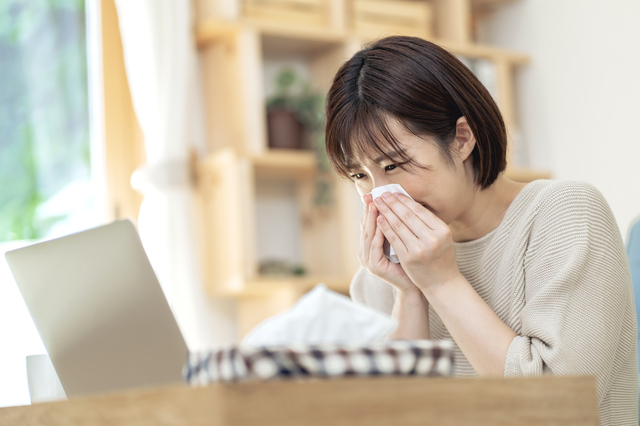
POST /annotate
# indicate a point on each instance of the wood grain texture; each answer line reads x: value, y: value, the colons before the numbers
x: 293, y: 12
x: 377, y: 18
x: 453, y: 20
x: 360, y: 401
x: 123, y: 138
x: 164, y: 406
x: 526, y: 175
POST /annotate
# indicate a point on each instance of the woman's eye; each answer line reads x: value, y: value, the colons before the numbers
x: 357, y: 176
x: 389, y: 167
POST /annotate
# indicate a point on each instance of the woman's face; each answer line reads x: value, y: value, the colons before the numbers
x: 441, y: 187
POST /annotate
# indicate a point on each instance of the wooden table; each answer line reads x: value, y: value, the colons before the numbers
x: 357, y: 401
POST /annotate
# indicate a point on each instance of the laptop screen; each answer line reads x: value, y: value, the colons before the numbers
x: 100, y: 310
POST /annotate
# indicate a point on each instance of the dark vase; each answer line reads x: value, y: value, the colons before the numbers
x: 284, y: 129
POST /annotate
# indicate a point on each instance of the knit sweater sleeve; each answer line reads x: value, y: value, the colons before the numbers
x: 578, y: 312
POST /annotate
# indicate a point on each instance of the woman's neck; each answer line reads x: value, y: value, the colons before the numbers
x: 486, y: 210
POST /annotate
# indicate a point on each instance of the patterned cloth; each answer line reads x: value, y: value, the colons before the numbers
x: 419, y: 357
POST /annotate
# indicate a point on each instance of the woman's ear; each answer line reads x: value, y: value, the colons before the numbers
x: 465, y: 141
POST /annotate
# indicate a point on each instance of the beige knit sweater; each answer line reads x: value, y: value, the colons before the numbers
x: 556, y: 272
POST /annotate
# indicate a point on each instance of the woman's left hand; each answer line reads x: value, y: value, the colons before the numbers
x: 421, y: 240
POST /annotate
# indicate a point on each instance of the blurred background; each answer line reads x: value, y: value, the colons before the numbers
x: 202, y: 121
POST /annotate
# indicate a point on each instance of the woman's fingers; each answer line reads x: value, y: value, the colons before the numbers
x: 399, y: 219
x: 424, y: 214
x: 376, y: 252
x: 406, y: 211
x: 399, y: 244
x: 363, y: 222
x: 368, y: 231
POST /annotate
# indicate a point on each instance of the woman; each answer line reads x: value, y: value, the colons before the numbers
x: 526, y: 279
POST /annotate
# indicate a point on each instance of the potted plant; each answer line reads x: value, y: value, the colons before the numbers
x: 296, y: 109
x: 293, y: 110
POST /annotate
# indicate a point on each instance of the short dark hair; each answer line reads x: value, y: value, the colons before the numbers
x: 423, y: 87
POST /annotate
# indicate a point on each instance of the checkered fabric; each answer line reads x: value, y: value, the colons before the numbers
x: 400, y: 357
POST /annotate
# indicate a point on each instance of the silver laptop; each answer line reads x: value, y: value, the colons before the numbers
x: 100, y: 310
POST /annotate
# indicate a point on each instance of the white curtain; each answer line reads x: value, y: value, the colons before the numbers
x: 161, y: 64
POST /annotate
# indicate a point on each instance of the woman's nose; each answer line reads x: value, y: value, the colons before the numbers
x: 367, y: 186
x: 379, y: 181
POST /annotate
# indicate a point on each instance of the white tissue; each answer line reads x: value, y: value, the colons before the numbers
x: 377, y: 192
x: 322, y: 316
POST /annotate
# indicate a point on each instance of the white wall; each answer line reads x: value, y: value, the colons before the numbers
x: 277, y: 222
x: 18, y: 336
x: 579, y: 98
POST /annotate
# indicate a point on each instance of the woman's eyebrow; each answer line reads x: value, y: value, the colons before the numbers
x: 393, y: 155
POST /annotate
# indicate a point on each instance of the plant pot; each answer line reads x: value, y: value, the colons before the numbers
x: 284, y: 130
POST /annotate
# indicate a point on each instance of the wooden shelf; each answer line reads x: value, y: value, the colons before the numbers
x: 480, y: 51
x: 300, y: 37
x: 334, y: 282
x: 237, y: 54
x: 488, y: 4
x: 283, y: 44
x: 283, y: 162
x: 265, y: 285
x: 292, y: 163
x: 214, y: 30
x: 525, y: 174
x: 287, y: 39
x: 276, y: 162
x: 263, y: 297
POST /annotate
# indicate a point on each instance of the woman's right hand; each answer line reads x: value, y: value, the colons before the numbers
x: 371, y: 254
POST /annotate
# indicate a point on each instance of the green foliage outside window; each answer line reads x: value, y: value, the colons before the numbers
x: 44, y: 113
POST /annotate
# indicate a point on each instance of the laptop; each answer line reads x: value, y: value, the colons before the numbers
x: 100, y: 310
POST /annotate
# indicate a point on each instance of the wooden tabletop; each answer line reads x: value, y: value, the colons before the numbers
x: 356, y: 401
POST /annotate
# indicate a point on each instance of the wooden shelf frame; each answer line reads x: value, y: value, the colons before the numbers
x: 215, y: 31
x: 227, y: 194
x: 261, y: 286
x: 311, y: 41
x: 520, y: 174
x: 234, y: 51
x: 489, y: 4
x: 227, y: 185
x: 284, y: 162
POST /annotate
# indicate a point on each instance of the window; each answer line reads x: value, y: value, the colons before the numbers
x: 47, y: 184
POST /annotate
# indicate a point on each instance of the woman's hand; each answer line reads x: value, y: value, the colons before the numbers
x: 421, y: 240
x: 371, y: 253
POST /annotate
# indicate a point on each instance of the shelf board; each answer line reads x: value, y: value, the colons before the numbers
x: 272, y: 163
x: 308, y: 32
x: 489, y: 4
x: 338, y: 283
x: 288, y: 39
x: 520, y: 174
x: 267, y: 285
x: 481, y: 51
x: 285, y: 45
x: 284, y: 162
x: 283, y: 38
x: 213, y: 30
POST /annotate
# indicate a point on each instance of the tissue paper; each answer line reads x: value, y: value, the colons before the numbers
x: 322, y: 316
x: 324, y: 335
x: 389, y: 252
